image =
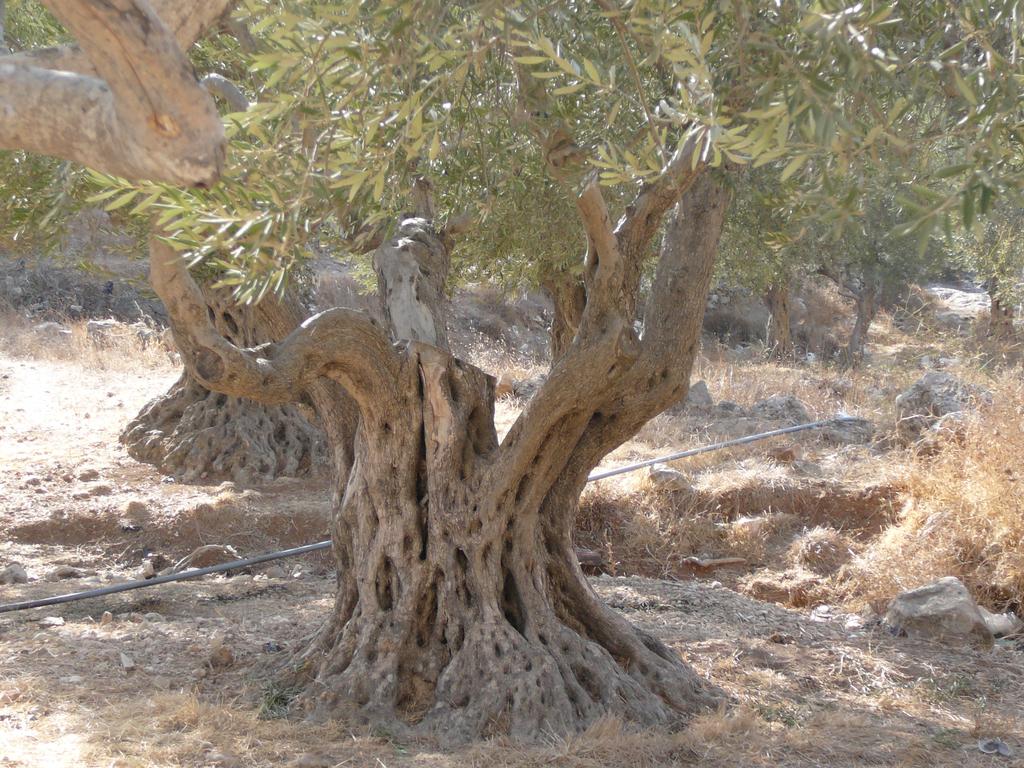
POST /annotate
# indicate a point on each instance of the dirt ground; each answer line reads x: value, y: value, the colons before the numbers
x: 184, y: 675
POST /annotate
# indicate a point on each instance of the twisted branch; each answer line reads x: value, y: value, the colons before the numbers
x: 339, y: 344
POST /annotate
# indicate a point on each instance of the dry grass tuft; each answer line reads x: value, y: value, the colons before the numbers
x: 821, y: 550
x: 644, y: 532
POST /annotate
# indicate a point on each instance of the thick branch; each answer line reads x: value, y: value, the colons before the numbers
x: 577, y: 382
x: 412, y: 271
x: 188, y: 21
x: 219, y: 85
x: 617, y: 397
x: 143, y: 116
x: 642, y: 220
x: 603, y: 268
x: 672, y: 322
x: 603, y: 357
x: 340, y: 344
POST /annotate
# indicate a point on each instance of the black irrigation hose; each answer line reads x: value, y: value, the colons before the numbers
x: 138, y: 584
x: 196, y: 572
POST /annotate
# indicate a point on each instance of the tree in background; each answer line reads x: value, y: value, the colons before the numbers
x: 993, y: 251
x: 766, y: 249
x: 460, y: 605
x: 872, y: 265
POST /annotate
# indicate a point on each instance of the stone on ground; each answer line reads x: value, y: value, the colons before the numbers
x: 781, y: 408
x: 934, y: 395
x: 13, y: 574
x: 699, y: 396
x: 943, y: 611
x: 1002, y: 624
x: 664, y: 478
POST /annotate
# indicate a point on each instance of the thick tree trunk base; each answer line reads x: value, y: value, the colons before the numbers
x: 193, y: 434
x: 462, y: 611
x: 494, y: 678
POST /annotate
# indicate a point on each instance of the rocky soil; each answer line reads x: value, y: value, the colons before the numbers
x: 184, y: 674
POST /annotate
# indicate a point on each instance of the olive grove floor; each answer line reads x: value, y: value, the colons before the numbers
x: 183, y: 675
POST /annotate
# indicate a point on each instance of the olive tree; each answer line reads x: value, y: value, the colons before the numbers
x: 460, y: 606
x: 993, y: 251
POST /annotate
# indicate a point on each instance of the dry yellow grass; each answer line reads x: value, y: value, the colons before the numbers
x: 963, y: 513
x: 123, y: 350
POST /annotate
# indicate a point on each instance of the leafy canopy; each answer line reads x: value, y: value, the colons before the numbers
x: 505, y: 106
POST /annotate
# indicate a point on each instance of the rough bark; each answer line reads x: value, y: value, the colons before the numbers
x: 461, y: 607
x: 192, y: 433
x: 866, y: 310
x: 780, y: 330
x: 138, y: 113
x: 187, y: 21
x: 1001, y: 316
x: 568, y: 298
x: 412, y: 270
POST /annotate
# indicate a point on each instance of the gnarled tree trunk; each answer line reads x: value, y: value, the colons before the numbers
x: 866, y: 310
x: 568, y: 297
x: 461, y: 607
x: 1001, y: 315
x: 460, y: 604
x: 192, y: 433
x: 780, y: 329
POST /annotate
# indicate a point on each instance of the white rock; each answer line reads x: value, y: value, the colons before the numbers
x: 1001, y: 624
x: 943, y: 611
x: 100, y: 329
x: 127, y: 662
x: 52, y: 621
x: 664, y: 478
x: 53, y: 330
